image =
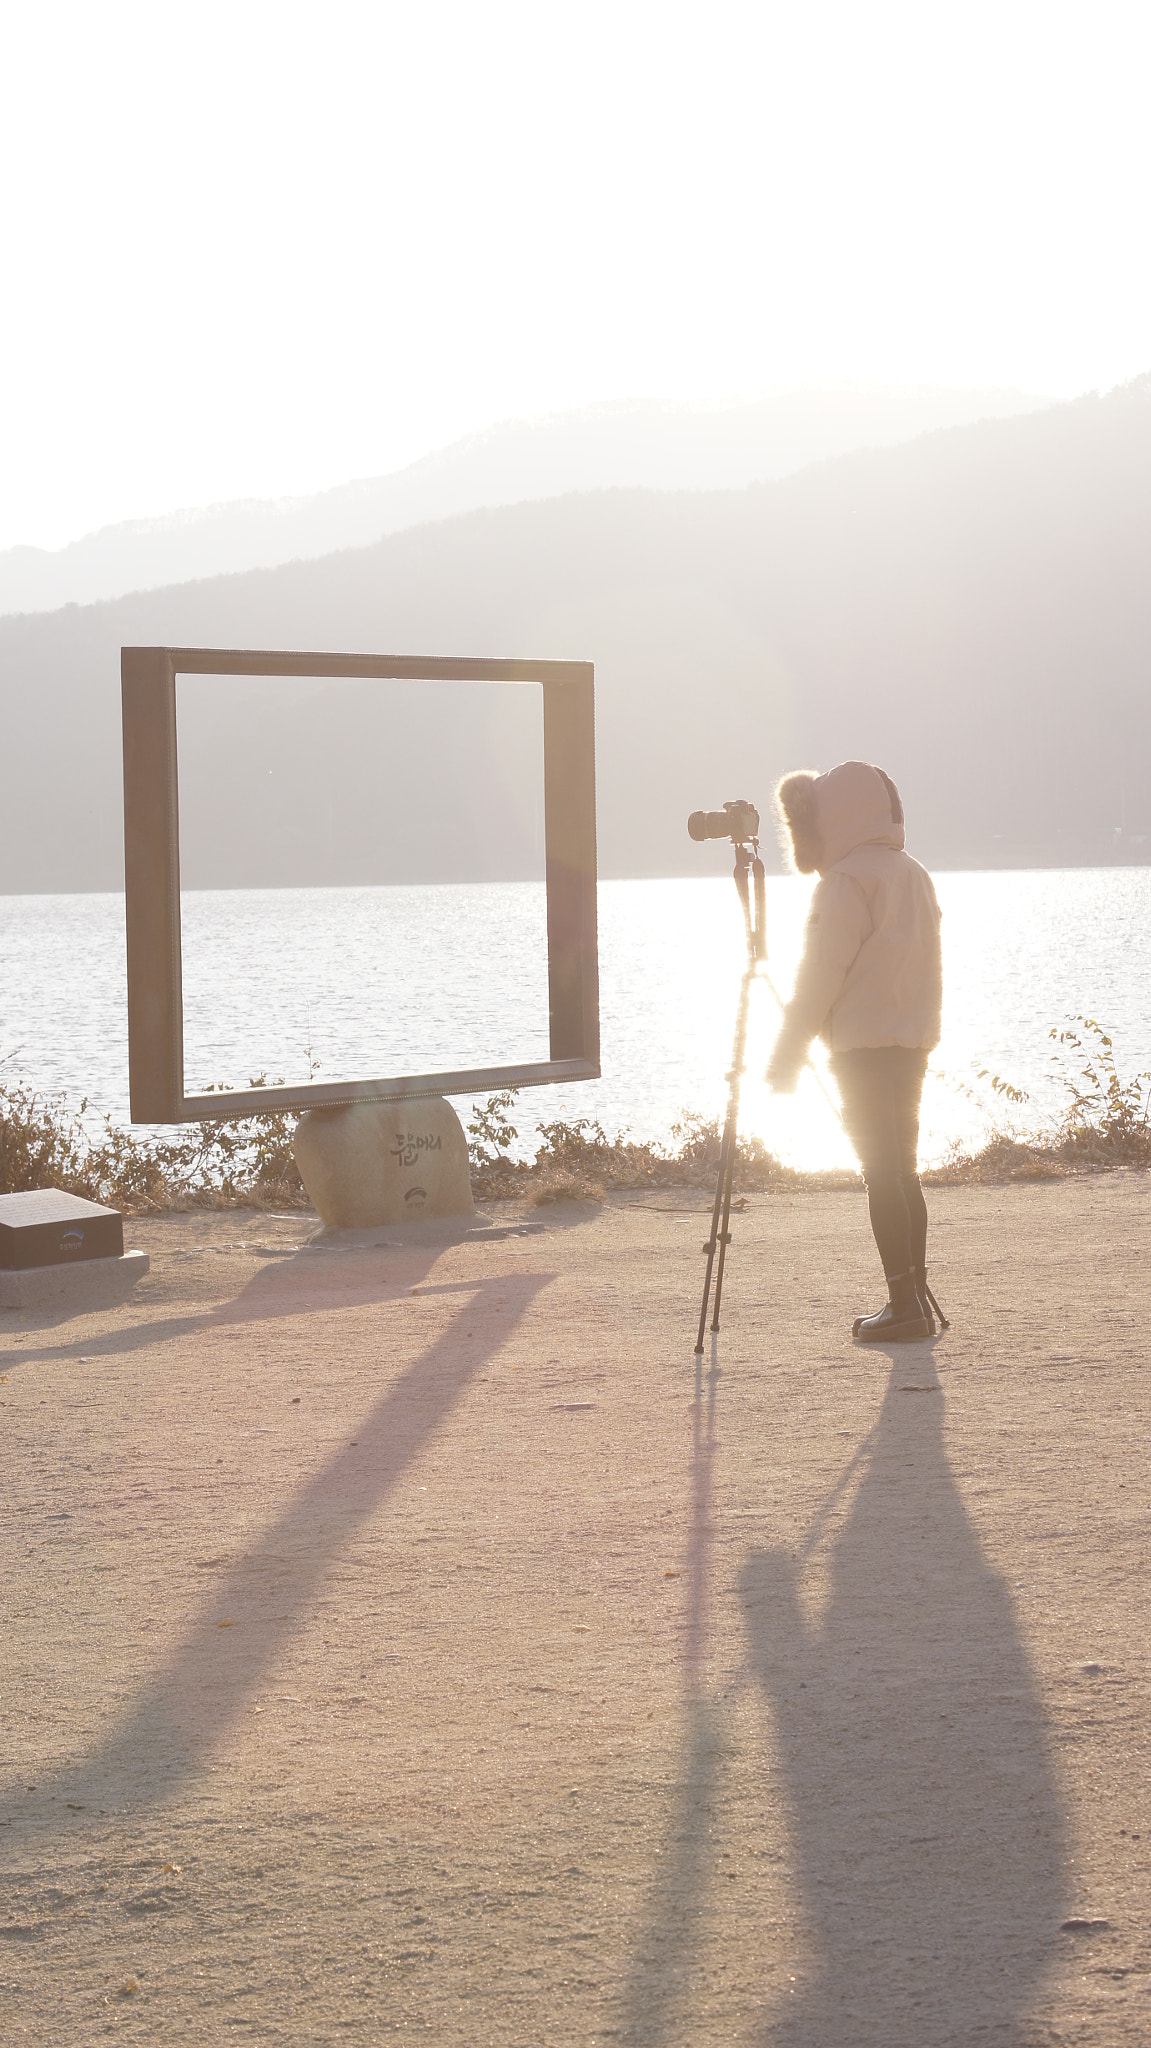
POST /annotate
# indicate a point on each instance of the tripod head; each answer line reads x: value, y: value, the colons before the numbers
x: 739, y: 822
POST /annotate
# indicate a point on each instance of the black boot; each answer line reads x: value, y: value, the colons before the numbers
x: 901, y: 1322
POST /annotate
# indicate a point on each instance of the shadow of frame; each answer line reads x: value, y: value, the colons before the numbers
x: 187, y: 1706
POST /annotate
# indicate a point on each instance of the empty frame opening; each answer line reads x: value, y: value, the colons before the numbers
x: 361, y: 877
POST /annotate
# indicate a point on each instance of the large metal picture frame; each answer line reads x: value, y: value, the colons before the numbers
x: 152, y: 877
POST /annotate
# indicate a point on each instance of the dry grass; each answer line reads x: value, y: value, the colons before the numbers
x: 249, y: 1162
x: 1107, y: 1124
x: 219, y: 1165
x: 1061, y: 1156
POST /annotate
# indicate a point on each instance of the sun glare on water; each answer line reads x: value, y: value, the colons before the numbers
x: 354, y: 982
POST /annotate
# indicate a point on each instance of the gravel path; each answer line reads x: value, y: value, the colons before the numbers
x: 410, y: 1641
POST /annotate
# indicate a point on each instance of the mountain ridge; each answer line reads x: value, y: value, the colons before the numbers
x: 971, y: 609
x: 626, y: 444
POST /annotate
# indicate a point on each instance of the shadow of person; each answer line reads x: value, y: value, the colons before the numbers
x: 928, y: 1838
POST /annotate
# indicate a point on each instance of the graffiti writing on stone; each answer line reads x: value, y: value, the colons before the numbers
x: 408, y: 1147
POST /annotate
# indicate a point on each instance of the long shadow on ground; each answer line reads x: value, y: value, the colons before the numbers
x: 267, y: 1594
x: 338, y: 1269
x: 667, y: 1953
x: 927, y: 1833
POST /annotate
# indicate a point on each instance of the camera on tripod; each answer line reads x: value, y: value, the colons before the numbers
x: 738, y: 821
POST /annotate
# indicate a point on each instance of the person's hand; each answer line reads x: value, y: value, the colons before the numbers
x: 781, y: 1078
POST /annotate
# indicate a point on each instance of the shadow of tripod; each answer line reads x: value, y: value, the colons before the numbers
x: 671, y: 1948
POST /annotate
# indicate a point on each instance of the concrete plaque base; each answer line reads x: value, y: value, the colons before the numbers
x: 368, y: 1163
x: 80, y: 1285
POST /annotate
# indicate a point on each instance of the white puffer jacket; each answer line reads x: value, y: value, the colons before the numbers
x: 871, y: 972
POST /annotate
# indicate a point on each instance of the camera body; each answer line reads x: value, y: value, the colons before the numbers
x: 738, y: 821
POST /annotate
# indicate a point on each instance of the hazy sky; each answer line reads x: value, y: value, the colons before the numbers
x: 251, y: 249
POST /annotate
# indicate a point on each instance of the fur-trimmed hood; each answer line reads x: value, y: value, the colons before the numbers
x: 828, y: 816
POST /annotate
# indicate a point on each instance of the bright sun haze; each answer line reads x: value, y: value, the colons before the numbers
x: 254, y: 250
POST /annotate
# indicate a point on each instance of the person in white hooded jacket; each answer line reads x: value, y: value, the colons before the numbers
x: 870, y: 984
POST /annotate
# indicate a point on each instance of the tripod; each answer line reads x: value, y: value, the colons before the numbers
x: 746, y: 860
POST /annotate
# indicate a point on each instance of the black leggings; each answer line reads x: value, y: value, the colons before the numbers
x: 880, y: 1087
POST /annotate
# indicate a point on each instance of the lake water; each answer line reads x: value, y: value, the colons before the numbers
x: 356, y: 982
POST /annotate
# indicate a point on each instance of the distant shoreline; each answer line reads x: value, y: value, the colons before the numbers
x: 1008, y: 865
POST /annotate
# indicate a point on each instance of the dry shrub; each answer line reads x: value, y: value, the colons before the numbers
x: 248, y: 1161
x: 1107, y: 1125
x: 563, y: 1184
x: 245, y: 1162
x: 1107, y: 1122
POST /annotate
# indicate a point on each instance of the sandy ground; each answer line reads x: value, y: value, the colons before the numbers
x: 411, y: 1641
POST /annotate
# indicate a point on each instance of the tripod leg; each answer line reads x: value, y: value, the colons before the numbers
x: 943, y: 1322
x: 721, y: 1209
x: 722, y: 1181
x: 725, y: 1234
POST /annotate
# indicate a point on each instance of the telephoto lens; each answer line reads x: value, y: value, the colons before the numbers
x: 738, y: 820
